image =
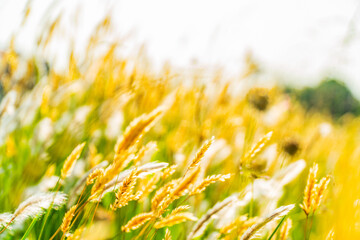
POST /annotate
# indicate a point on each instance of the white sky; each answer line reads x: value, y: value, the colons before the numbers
x: 299, y: 41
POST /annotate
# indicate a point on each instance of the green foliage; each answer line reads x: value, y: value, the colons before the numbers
x: 330, y: 96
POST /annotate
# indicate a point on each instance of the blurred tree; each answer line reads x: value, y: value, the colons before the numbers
x: 330, y: 96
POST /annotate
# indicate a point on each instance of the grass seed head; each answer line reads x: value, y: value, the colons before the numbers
x: 70, y: 160
x: 207, y: 181
x: 69, y: 215
x: 310, y: 189
x: 173, y: 219
x: 137, y: 221
x: 200, y: 154
x: 319, y: 190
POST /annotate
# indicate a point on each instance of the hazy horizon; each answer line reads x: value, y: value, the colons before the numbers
x: 298, y: 43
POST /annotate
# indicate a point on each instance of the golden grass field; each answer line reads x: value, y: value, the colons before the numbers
x: 109, y: 149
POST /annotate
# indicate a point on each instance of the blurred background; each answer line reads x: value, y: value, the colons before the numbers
x: 298, y: 43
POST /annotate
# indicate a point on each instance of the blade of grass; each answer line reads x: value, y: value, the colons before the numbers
x: 277, y: 227
x: 29, y: 228
x: 57, y: 186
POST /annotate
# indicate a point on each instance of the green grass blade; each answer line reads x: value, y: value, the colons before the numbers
x: 277, y: 227
x: 29, y: 228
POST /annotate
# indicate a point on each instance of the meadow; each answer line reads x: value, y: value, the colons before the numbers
x: 110, y: 149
